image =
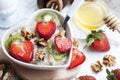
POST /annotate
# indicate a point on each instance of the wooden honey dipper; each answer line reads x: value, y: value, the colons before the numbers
x: 112, y: 22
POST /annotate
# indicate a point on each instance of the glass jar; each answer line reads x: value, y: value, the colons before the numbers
x: 90, y: 14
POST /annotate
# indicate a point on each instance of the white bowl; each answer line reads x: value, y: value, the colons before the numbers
x: 34, y: 66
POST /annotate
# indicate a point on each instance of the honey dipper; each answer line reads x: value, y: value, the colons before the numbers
x: 112, y: 22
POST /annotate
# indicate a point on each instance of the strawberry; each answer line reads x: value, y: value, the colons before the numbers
x: 97, y: 41
x: 46, y: 29
x: 77, y: 58
x: 22, y: 51
x: 113, y: 75
x: 86, y: 77
x: 63, y: 44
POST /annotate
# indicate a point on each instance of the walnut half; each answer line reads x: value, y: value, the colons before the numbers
x: 41, y: 42
x: 97, y: 67
x: 40, y: 55
x: 27, y: 35
x: 109, y: 60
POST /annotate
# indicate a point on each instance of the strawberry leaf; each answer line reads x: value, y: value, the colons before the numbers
x: 94, y: 35
x: 111, y: 75
x: 85, y: 78
x: 89, y: 42
x: 99, y: 36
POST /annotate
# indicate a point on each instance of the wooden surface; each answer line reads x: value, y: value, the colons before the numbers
x: 32, y: 74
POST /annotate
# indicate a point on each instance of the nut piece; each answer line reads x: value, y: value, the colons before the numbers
x: 55, y: 4
x: 41, y: 42
x: 40, y: 55
x: 109, y: 60
x: 97, y: 67
x: 75, y: 42
x: 2, y: 67
x: 7, y: 76
x: 61, y: 32
x: 27, y: 35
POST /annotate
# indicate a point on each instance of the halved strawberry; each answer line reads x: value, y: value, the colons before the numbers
x: 113, y: 75
x: 77, y: 58
x: 97, y: 41
x: 87, y: 77
x: 46, y: 29
x: 22, y: 51
x: 63, y: 44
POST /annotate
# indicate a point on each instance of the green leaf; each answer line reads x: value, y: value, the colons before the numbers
x: 107, y: 71
x: 111, y: 75
x: 89, y: 42
x: 99, y: 36
x: 85, y: 78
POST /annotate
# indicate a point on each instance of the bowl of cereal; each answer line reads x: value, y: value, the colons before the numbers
x: 40, y: 43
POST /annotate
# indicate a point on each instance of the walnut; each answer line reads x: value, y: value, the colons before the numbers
x: 40, y: 55
x: 2, y: 67
x: 61, y: 32
x: 27, y: 35
x: 41, y: 42
x: 55, y: 4
x: 97, y: 67
x: 6, y: 71
x: 7, y: 76
x: 75, y: 42
x: 109, y: 60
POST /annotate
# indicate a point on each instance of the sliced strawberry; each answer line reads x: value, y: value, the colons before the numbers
x: 46, y: 29
x: 97, y: 41
x: 63, y: 44
x: 22, y: 51
x: 77, y: 58
x: 87, y: 77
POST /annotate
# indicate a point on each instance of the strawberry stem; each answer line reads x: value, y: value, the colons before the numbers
x: 94, y: 35
x: 111, y: 75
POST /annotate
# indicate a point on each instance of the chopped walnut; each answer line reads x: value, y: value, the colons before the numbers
x: 27, y: 35
x: 109, y: 60
x: 61, y: 32
x: 40, y: 55
x: 97, y: 67
x: 75, y: 42
x: 2, y: 67
x: 41, y: 42
x: 6, y: 71
x: 7, y: 76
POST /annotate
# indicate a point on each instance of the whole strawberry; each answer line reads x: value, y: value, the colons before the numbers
x: 86, y: 77
x: 113, y: 75
x: 98, y: 41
